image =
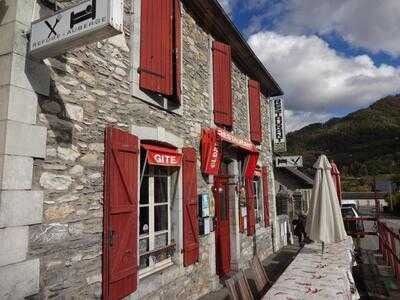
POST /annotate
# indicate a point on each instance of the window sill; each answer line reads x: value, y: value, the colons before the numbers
x: 156, y: 100
x: 157, y: 268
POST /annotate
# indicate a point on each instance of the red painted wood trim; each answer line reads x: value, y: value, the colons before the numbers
x: 120, y: 218
x: 265, y: 182
x: 255, y: 111
x: 156, y: 46
x: 190, y: 207
x: 222, y: 84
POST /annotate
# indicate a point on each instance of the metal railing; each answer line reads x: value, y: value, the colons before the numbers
x: 389, y: 241
x: 389, y: 246
x: 355, y: 226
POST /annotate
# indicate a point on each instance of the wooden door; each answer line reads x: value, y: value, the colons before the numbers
x: 223, y: 251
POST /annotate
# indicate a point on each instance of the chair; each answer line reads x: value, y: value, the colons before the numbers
x: 260, y: 276
x: 243, y: 286
x: 231, y: 285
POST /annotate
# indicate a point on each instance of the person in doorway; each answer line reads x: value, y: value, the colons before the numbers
x: 300, y: 229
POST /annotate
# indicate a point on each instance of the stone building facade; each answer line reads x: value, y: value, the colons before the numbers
x: 53, y: 119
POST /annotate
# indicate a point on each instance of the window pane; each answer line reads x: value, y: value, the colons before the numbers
x: 143, y: 245
x: 144, y: 220
x: 161, y: 241
x: 160, y: 189
x: 144, y: 262
x: 160, y: 171
x: 144, y: 191
x: 161, y: 217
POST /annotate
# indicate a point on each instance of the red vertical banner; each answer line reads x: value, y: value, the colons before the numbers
x: 210, y: 152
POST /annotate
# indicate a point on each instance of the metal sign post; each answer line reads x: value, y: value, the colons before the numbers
x: 84, y: 23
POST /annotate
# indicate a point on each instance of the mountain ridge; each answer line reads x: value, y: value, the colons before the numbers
x: 363, y: 143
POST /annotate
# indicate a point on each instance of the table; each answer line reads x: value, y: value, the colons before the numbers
x: 313, y: 275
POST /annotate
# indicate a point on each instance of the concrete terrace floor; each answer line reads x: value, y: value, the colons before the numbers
x: 275, y: 265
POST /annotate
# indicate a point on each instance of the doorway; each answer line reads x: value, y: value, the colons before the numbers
x: 222, y: 238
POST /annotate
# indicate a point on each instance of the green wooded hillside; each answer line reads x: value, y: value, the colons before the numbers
x: 363, y: 143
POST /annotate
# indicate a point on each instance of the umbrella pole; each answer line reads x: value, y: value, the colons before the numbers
x: 323, y: 247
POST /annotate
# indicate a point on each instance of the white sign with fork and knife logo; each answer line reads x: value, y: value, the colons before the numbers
x: 288, y: 161
x: 84, y: 23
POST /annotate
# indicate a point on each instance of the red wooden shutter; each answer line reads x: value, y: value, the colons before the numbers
x: 190, y: 222
x: 222, y: 84
x: 251, y: 217
x: 265, y: 182
x: 255, y: 111
x: 120, y: 257
x: 178, y: 46
x: 156, y: 64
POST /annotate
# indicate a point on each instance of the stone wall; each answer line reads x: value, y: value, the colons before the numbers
x: 240, y: 100
x: 89, y: 90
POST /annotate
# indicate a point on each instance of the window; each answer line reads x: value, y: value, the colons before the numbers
x: 298, y: 201
x: 160, y: 47
x: 156, y: 53
x: 157, y: 189
x: 282, y: 199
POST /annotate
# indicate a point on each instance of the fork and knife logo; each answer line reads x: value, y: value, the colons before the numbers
x: 53, y: 27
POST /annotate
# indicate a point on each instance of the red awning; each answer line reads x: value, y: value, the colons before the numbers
x: 162, y: 156
x: 211, y: 154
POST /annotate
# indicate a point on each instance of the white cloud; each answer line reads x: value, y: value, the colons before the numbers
x: 371, y: 24
x: 228, y: 5
x: 298, y: 119
x: 317, y: 80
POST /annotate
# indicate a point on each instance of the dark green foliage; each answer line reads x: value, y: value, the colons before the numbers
x: 366, y: 142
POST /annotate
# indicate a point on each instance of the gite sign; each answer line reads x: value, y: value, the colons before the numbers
x: 87, y: 22
x: 163, y: 159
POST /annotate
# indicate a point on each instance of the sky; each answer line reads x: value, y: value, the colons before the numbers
x: 330, y: 57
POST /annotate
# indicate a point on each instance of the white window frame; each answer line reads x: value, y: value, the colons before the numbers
x: 154, y: 267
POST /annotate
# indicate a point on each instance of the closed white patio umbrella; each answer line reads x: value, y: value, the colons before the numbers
x: 324, y: 219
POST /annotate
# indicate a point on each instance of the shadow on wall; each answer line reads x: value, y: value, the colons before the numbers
x: 3, y: 10
x: 57, y: 118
